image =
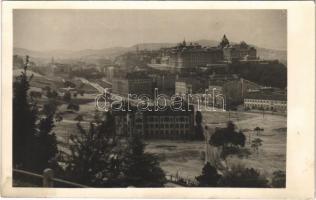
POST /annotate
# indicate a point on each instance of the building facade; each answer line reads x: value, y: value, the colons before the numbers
x: 134, y: 84
x: 183, y: 88
x: 185, y: 56
x: 167, y: 124
x: 239, y: 52
x: 265, y: 101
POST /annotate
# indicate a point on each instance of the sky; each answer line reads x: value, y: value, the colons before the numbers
x: 44, y: 30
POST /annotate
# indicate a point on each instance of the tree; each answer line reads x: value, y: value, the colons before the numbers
x: 228, y: 139
x: 209, y: 176
x: 224, y: 42
x: 46, y: 144
x: 52, y: 94
x: 58, y: 117
x: 94, y: 159
x: 255, y: 144
x: 67, y: 97
x: 199, y: 128
x: 273, y: 73
x: 34, y: 144
x: 45, y: 140
x: 73, y: 106
x: 24, y: 121
x: 49, y: 108
x: 278, y: 179
x: 141, y: 169
x: 239, y: 176
x: 258, y: 130
x: 79, y: 118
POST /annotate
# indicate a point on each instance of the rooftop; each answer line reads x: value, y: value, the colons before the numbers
x: 266, y: 96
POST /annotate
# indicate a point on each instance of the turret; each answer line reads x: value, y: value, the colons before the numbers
x: 224, y: 42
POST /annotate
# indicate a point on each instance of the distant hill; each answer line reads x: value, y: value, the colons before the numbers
x: 271, y: 54
x: 92, y: 55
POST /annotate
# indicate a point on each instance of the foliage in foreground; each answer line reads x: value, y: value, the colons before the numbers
x: 209, y: 176
x: 239, y: 176
x: 34, y: 142
x: 101, y: 159
x: 278, y: 179
x: 229, y: 139
x: 141, y: 169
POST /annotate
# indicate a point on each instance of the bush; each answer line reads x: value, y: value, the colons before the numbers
x: 278, y: 179
x: 239, y: 176
x: 209, y: 176
x: 72, y: 106
x: 228, y: 138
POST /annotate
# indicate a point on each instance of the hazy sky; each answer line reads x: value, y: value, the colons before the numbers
x: 96, y: 29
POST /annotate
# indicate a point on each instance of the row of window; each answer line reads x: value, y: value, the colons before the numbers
x: 166, y: 132
x: 167, y: 119
x: 265, y: 101
x: 163, y: 126
x: 258, y: 106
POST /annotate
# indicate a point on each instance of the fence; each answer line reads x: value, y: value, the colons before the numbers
x: 22, y: 178
x: 181, y: 181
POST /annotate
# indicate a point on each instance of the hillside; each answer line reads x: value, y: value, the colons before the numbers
x: 92, y: 55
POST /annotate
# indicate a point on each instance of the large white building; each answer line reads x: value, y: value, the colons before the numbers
x: 183, y: 88
x: 266, y: 101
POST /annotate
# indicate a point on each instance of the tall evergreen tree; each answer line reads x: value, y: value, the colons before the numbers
x: 46, y: 144
x: 141, y: 169
x: 24, y: 121
x: 224, y: 42
x: 209, y: 176
x: 94, y: 159
x: 34, y: 144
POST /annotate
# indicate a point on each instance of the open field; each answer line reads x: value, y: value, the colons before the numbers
x: 185, y: 157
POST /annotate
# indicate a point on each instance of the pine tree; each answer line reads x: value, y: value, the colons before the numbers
x: 278, y: 179
x: 94, y: 159
x: 24, y: 119
x: 209, y: 176
x: 46, y: 144
x: 141, y: 169
x: 224, y: 42
x: 34, y: 144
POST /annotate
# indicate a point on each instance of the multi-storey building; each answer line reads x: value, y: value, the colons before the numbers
x: 240, y: 51
x: 133, y: 83
x: 220, y: 79
x: 164, y: 81
x: 156, y: 124
x: 269, y: 101
x: 183, y: 88
x: 185, y: 56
